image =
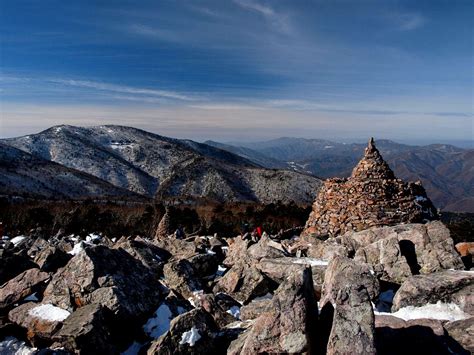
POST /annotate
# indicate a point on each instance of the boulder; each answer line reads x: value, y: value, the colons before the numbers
x: 255, y: 308
x: 420, y: 336
x: 237, y: 251
x: 288, y: 325
x: 29, y: 281
x: 180, y: 277
x: 12, y: 265
x: 244, y: 282
x: 149, y: 254
x: 204, y: 264
x: 466, y: 250
x: 50, y: 259
x: 265, y: 248
x: 110, y: 277
x: 343, y: 271
x: 85, y: 332
x: 222, y: 316
x: 387, y: 260
x: 347, y: 319
x: 445, y: 286
x: 426, y: 248
x: 193, y: 332
x: 462, y: 331
x: 42, y: 321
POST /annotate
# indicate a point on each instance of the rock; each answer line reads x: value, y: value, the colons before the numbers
x: 204, y: 264
x: 12, y: 265
x: 42, y: 321
x: 353, y: 330
x: 33, y: 280
x: 343, y: 271
x: 265, y: 248
x: 50, y: 259
x: 85, y: 332
x: 288, y: 326
x: 466, y: 250
x: 179, y: 248
x: 424, y: 248
x: 180, y: 276
x: 222, y: 316
x: 110, y: 277
x: 416, y: 336
x: 243, y: 283
x: 237, y: 251
x: 149, y: 254
x: 193, y: 332
x: 255, y: 308
x: 387, y: 260
x: 371, y: 196
x: 328, y: 249
x: 462, y: 331
x: 445, y: 286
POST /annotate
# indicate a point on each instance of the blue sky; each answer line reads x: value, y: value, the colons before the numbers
x: 241, y: 69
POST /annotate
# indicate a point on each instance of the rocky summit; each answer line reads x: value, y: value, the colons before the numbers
x: 373, y: 272
x: 371, y: 196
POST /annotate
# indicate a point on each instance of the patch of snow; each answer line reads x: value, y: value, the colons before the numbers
x: 49, y: 312
x: 114, y: 240
x: 440, y: 311
x: 420, y: 199
x: 196, y: 294
x: 159, y: 324
x: 210, y: 252
x: 328, y: 146
x: 234, y: 311
x: 121, y: 145
x: 310, y: 261
x: 18, y: 240
x: 31, y: 298
x: 133, y: 349
x: 91, y: 237
x: 77, y: 248
x: 190, y: 337
x: 5, y: 237
x: 13, y: 346
x: 221, y: 270
x: 268, y: 296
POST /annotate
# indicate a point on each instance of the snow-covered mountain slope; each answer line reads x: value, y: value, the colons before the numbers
x: 154, y: 165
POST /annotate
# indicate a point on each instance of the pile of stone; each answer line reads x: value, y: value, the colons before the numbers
x: 371, y: 196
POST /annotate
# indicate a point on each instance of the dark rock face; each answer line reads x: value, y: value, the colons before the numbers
x: 26, y: 283
x: 109, y: 277
x: 446, y: 286
x: 12, y: 265
x: 204, y: 264
x: 371, y: 196
x: 194, y: 332
x: 287, y: 327
x: 50, y: 259
x: 85, y: 332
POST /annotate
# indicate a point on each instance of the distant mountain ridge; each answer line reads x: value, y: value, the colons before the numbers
x: 447, y: 172
x: 161, y: 167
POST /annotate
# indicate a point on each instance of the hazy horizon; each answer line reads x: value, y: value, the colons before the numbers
x: 241, y: 69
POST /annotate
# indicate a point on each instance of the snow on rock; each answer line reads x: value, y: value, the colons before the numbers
x: 440, y: 311
x: 49, y: 313
x: 13, y: 346
x: 78, y: 247
x: 195, y: 296
x: 234, y: 311
x: 91, y: 237
x: 221, y: 270
x: 268, y: 296
x: 310, y: 261
x: 190, y: 337
x: 17, y: 240
x: 32, y: 298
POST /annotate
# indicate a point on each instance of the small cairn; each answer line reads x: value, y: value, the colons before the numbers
x: 371, y: 196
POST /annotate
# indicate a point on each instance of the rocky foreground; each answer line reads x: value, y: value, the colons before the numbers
x: 384, y: 290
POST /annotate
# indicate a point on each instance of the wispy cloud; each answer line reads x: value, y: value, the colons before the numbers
x: 278, y: 20
x: 123, y: 89
x: 409, y: 21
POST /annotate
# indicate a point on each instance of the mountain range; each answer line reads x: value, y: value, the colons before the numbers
x: 446, y: 171
x: 104, y: 161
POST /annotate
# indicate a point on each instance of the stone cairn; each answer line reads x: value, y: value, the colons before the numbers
x: 164, y: 227
x: 371, y: 196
